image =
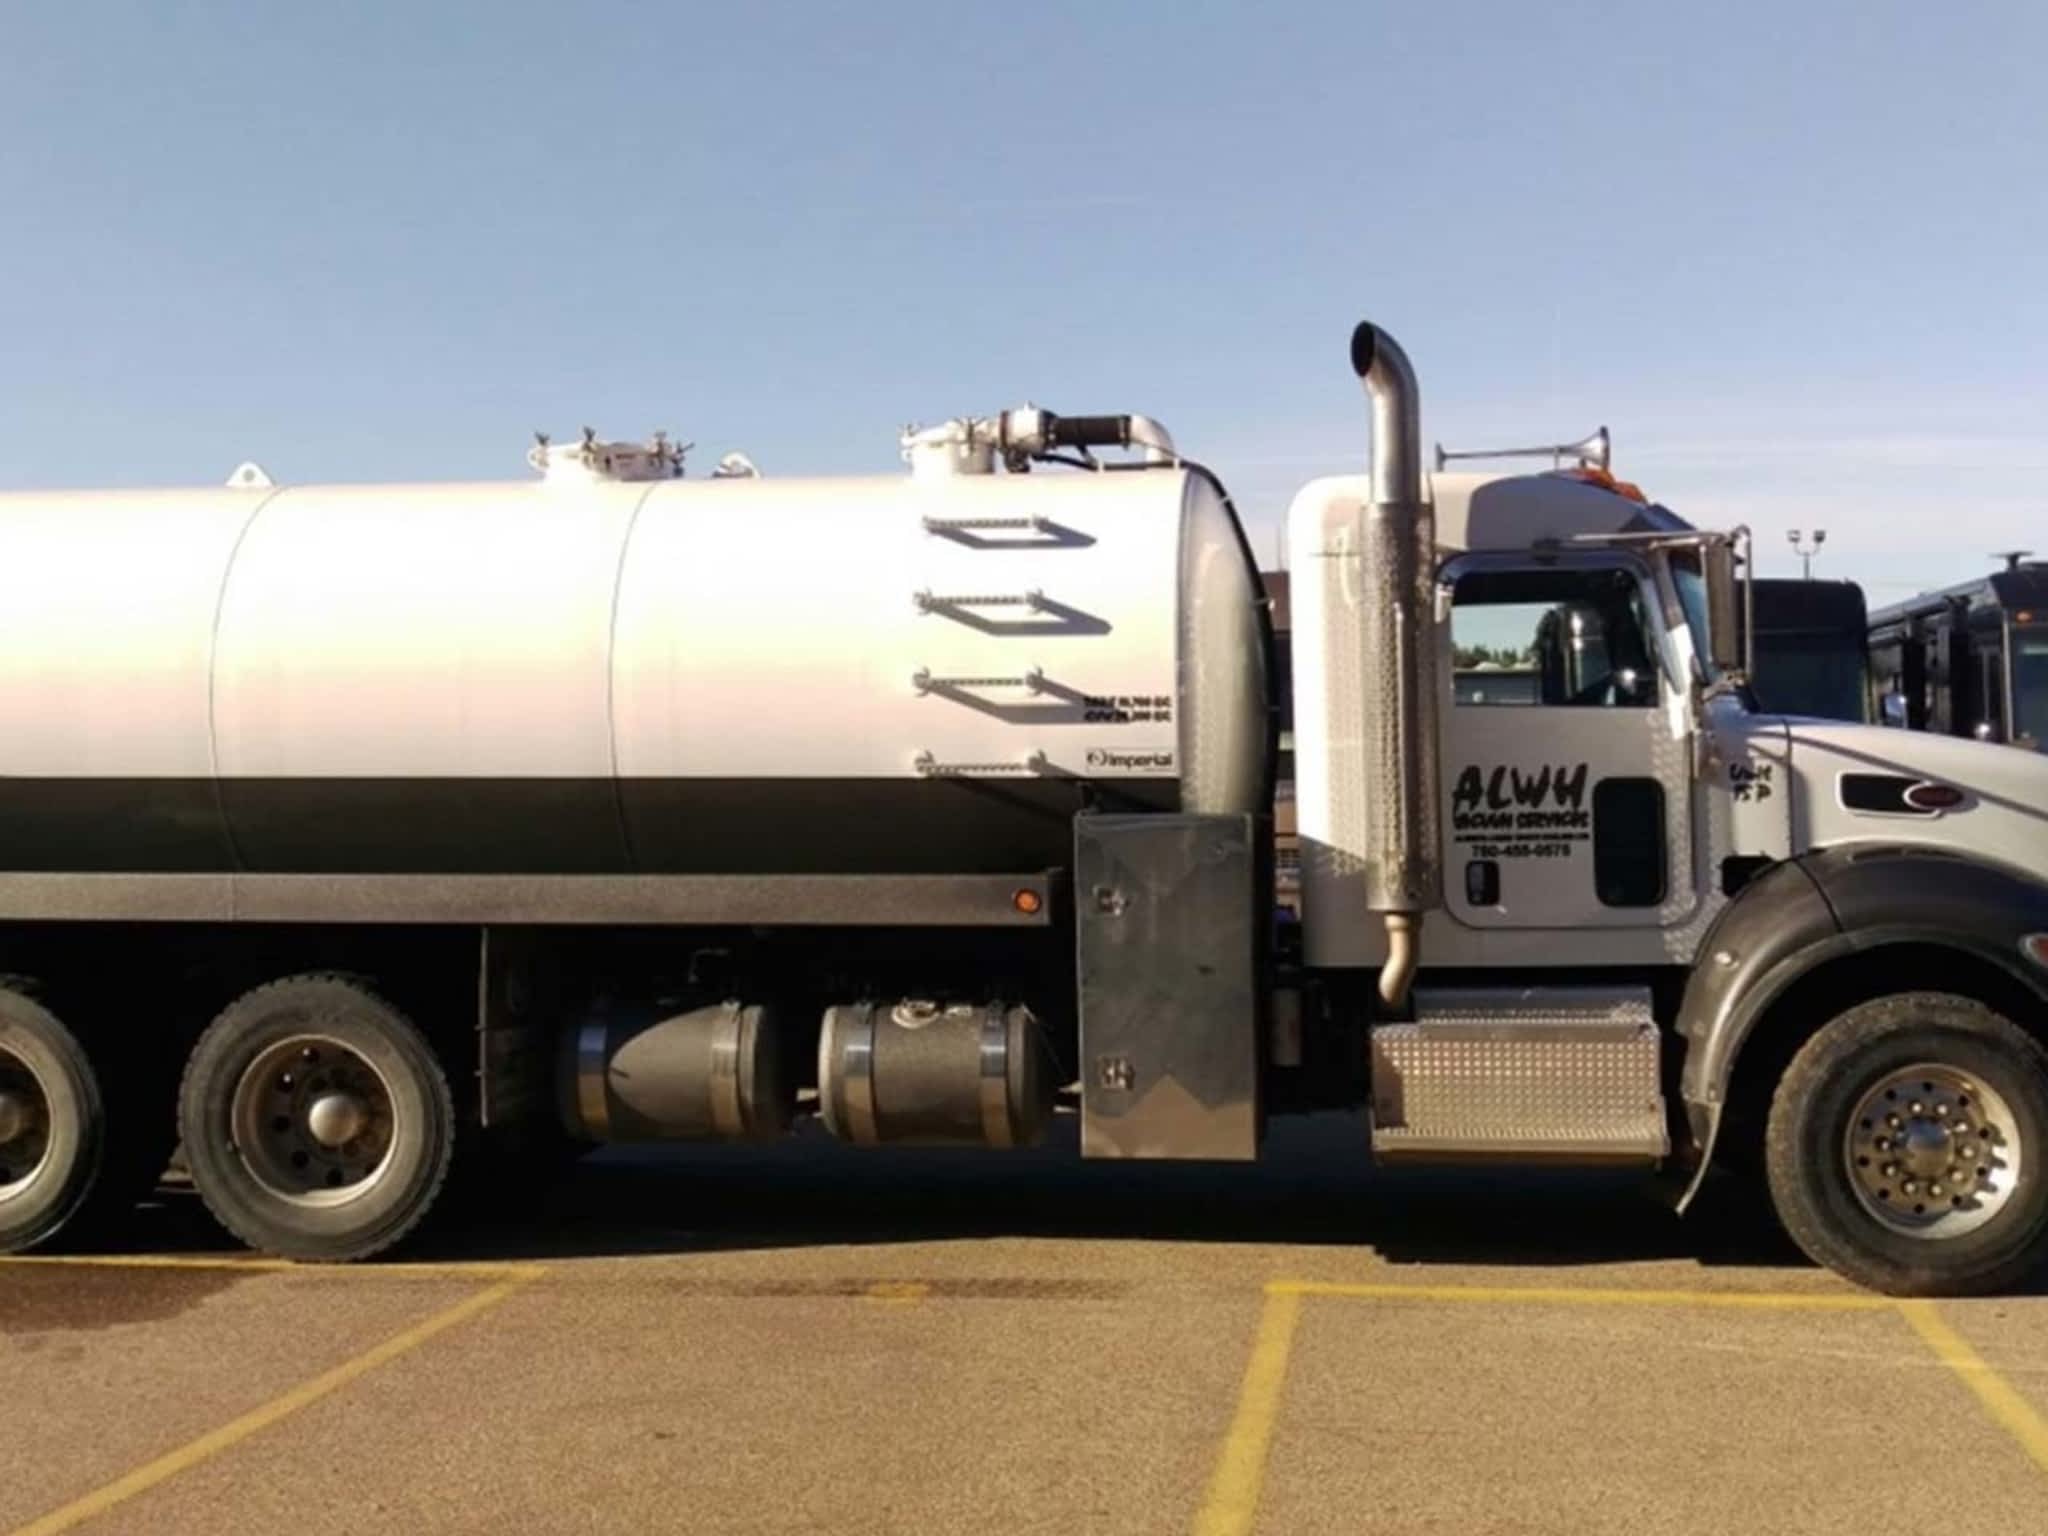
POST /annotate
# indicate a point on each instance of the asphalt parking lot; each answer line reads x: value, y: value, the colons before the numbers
x: 811, y: 1339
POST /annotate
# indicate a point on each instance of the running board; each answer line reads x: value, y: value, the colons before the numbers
x: 1564, y: 1073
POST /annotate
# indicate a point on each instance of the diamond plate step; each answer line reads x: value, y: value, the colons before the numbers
x: 1566, y: 1073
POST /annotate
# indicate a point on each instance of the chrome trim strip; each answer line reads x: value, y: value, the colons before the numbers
x: 856, y: 1078
x: 995, y: 1076
x: 728, y: 1115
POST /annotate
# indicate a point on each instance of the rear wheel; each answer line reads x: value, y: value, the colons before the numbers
x: 1906, y: 1144
x: 52, y: 1123
x: 317, y: 1122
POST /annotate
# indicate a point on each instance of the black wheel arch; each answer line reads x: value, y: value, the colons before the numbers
x: 1840, y: 924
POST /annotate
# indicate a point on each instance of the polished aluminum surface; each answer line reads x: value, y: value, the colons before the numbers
x: 727, y: 1092
x: 273, y: 1111
x: 1933, y: 1152
x: 1403, y: 866
x: 995, y: 1075
x: 1167, y: 911
x: 1570, y: 1073
x: 336, y: 1119
x: 1593, y: 451
x: 846, y: 1066
x: 24, y: 1126
x: 15, y: 1110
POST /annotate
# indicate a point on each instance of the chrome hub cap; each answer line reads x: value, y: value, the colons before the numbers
x: 24, y: 1125
x: 313, y: 1121
x: 1932, y: 1152
x: 336, y: 1119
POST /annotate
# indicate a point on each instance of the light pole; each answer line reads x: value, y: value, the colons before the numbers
x: 1806, y: 552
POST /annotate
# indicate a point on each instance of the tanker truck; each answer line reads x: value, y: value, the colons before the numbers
x: 359, y: 835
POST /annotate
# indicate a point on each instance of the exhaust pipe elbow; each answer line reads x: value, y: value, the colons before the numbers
x: 1404, y: 929
x: 1389, y: 380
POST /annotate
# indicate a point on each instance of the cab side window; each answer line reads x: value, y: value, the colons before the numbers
x: 1571, y: 639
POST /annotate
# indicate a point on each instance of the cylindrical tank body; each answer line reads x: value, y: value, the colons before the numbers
x: 972, y: 1074
x: 747, y: 675
x: 630, y: 1073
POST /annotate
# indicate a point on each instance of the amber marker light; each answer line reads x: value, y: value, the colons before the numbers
x: 1028, y: 902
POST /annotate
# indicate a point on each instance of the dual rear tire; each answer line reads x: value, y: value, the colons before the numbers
x: 317, y: 1120
x: 80, y: 1141
x: 52, y: 1123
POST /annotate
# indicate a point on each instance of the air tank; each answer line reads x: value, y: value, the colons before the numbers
x: 587, y: 674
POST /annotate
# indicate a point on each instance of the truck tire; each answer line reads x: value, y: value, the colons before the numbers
x: 317, y: 1121
x: 1906, y: 1147
x: 53, y: 1123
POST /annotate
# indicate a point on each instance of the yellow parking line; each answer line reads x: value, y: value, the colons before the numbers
x: 2010, y: 1411
x: 229, y: 1435
x: 144, y: 1261
x: 1232, y: 1501
x: 896, y: 1293
x: 1560, y: 1295
x: 1233, y: 1496
x: 257, y: 1265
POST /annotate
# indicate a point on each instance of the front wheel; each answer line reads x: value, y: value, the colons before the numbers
x: 1906, y: 1144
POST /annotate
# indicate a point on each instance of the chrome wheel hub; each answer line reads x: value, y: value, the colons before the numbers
x: 24, y: 1125
x: 14, y: 1113
x: 336, y: 1119
x: 1932, y: 1152
x: 313, y: 1121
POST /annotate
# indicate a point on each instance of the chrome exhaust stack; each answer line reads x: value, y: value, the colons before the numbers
x: 1404, y: 875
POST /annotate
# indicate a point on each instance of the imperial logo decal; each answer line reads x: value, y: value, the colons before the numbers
x: 1130, y: 760
x: 1518, y: 811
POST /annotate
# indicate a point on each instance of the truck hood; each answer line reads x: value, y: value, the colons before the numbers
x: 1850, y: 783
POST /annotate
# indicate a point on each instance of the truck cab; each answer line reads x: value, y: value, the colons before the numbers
x: 1806, y: 913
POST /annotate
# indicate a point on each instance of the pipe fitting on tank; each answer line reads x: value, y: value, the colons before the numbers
x: 972, y: 445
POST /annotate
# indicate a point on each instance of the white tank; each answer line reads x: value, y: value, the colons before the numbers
x: 584, y: 674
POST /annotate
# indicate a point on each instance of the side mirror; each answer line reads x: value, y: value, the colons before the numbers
x: 1724, y: 608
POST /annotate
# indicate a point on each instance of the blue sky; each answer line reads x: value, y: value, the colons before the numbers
x: 1792, y: 254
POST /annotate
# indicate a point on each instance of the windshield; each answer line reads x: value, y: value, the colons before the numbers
x: 2030, y: 683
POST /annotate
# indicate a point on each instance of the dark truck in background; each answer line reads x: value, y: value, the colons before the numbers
x: 1812, y: 656
x: 1969, y: 660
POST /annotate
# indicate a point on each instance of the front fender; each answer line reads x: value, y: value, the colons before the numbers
x: 1802, y: 914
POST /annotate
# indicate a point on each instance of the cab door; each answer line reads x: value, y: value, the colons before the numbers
x: 1567, y: 794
